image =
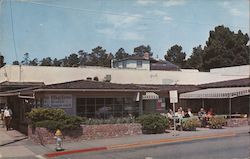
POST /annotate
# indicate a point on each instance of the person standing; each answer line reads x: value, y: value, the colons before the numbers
x: 2, y: 117
x: 7, y: 117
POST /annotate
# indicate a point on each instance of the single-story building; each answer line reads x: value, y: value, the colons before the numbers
x: 94, y: 99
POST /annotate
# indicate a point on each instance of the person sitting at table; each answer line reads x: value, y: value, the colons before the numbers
x: 210, y: 113
x: 186, y: 115
x: 178, y: 115
x: 182, y: 112
x: 202, y: 116
x: 170, y: 114
x: 190, y: 112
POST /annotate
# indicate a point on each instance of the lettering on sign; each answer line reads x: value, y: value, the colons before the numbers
x: 58, y: 100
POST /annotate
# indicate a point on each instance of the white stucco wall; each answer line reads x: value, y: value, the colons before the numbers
x: 243, y: 70
x: 51, y: 75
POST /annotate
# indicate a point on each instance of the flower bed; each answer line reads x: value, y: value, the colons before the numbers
x: 85, y: 132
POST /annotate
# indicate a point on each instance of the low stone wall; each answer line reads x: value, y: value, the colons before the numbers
x: 236, y: 122
x: 86, y: 132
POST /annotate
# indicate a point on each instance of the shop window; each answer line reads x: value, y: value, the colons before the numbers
x: 80, y: 108
x: 106, y: 107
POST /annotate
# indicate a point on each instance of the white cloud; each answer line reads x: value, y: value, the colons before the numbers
x: 171, y: 3
x: 225, y: 4
x: 235, y: 11
x: 107, y: 31
x: 145, y: 2
x: 121, y: 35
x: 124, y: 20
x: 122, y: 27
x: 41, y: 24
x: 167, y: 18
x: 157, y: 12
x: 131, y: 36
x: 231, y: 8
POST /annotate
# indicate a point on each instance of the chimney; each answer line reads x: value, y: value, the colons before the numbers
x: 146, y: 55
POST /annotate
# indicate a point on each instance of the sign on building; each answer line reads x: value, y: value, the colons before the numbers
x: 58, y: 101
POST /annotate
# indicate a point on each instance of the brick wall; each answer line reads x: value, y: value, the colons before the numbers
x: 86, y: 132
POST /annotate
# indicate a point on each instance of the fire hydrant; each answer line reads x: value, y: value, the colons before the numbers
x: 58, y: 137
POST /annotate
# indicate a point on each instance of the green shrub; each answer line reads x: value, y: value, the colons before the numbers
x: 50, y: 124
x: 40, y: 114
x: 153, y: 123
x: 190, y: 124
x: 53, y: 119
x: 217, y: 122
x: 109, y: 121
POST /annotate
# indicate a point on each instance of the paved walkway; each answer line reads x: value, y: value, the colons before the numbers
x: 14, y: 144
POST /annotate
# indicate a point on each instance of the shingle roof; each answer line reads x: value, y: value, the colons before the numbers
x: 244, y: 82
x: 85, y: 84
x: 95, y: 85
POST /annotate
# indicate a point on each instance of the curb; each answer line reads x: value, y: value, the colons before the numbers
x: 139, y: 144
x: 61, y: 153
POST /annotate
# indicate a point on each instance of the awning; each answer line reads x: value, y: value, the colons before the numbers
x: 21, y: 93
x: 150, y: 96
x: 217, y: 93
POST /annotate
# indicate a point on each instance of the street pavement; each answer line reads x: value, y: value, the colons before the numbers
x: 236, y: 147
x: 16, y: 145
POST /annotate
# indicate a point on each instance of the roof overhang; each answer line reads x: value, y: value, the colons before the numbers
x: 217, y: 93
x: 93, y: 90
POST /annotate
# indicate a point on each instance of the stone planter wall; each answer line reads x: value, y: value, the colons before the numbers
x: 236, y: 122
x: 86, y: 132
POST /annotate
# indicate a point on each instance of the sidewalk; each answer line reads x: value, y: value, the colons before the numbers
x: 24, y: 148
x: 11, y: 144
x: 145, y: 140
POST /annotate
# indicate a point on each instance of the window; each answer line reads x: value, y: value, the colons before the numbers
x: 107, y: 107
x: 124, y: 64
x: 139, y: 64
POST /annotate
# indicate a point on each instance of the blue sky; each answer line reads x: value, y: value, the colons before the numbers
x: 56, y: 28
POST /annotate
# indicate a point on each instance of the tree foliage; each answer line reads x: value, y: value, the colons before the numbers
x: 72, y: 60
x: 225, y: 48
x: 46, y: 62
x: 195, y: 61
x: 140, y: 50
x: 2, y: 63
x: 15, y: 63
x: 26, y: 59
x: 176, y: 56
x: 99, y: 57
x: 121, y: 54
